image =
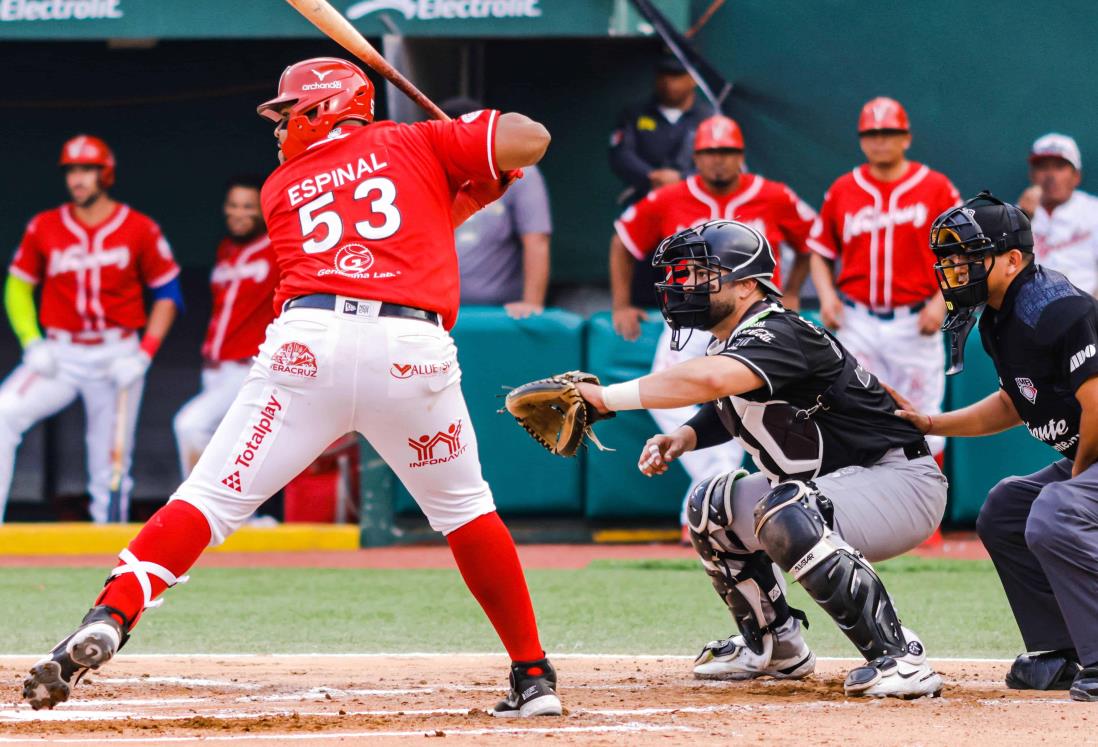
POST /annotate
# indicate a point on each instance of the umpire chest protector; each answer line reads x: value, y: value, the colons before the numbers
x: 817, y: 411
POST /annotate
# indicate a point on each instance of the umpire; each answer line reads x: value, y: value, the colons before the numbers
x: 1041, y: 529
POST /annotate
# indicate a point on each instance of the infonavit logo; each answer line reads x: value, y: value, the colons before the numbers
x: 59, y: 10
x: 430, y: 10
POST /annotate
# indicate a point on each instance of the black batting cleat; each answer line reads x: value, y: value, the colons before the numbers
x: 89, y: 647
x: 533, y: 691
x: 1085, y: 686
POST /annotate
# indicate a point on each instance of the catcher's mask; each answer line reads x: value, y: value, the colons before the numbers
x: 697, y: 261
x: 962, y: 238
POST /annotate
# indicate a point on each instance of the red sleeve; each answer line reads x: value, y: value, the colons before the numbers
x: 639, y: 227
x: 29, y: 261
x: 796, y: 220
x: 155, y: 262
x: 823, y: 238
x: 466, y: 146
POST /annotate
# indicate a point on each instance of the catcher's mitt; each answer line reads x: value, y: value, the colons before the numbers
x: 554, y: 413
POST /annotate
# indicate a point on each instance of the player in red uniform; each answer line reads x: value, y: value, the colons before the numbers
x: 92, y: 259
x: 876, y: 219
x: 720, y: 190
x: 242, y: 286
x: 360, y: 215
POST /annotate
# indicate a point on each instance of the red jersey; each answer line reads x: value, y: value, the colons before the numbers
x: 771, y: 208
x: 243, y: 285
x: 93, y: 276
x: 366, y: 212
x: 881, y: 231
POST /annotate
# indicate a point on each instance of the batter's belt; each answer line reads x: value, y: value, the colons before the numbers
x: 329, y: 302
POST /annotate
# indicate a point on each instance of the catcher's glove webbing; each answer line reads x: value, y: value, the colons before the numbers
x: 554, y: 412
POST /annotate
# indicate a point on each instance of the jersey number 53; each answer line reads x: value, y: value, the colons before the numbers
x: 383, y: 220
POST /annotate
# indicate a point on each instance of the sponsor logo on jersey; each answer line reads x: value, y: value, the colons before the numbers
x: 75, y: 259
x: 1049, y: 432
x: 250, y: 450
x: 759, y: 333
x: 1062, y: 446
x: 59, y: 10
x: 228, y: 272
x: 1079, y: 358
x: 471, y: 116
x: 1027, y: 389
x: 409, y: 370
x: 440, y: 448
x: 294, y: 359
x: 233, y: 482
x: 869, y: 219
x: 427, y: 10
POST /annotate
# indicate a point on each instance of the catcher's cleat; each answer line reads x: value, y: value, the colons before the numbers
x: 1085, y: 687
x: 732, y: 659
x: 1045, y: 670
x: 92, y: 645
x: 907, y: 677
x: 533, y: 691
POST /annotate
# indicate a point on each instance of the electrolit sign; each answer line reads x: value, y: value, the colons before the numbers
x: 430, y: 10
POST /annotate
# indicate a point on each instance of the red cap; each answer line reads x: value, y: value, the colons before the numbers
x: 335, y: 88
x: 718, y: 132
x: 883, y: 113
x: 86, y: 150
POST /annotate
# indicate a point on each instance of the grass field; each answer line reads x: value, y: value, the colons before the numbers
x: 622, y: 607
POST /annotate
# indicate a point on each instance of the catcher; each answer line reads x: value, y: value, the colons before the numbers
x: 843, y: 480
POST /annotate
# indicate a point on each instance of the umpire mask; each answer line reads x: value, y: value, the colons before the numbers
x: 696, y: 261
x: 962, y: 238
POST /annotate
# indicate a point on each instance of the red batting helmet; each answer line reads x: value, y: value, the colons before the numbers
x: 718, y: 132
x: 320, y: 92
x: 86, y: 150
x: 883, y: 113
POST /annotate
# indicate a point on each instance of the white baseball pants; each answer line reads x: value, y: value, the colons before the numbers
x: 894, y: 350
x: 196, y: 421
x: 27, y: 397
x: 705, y: 463
x: 321, y: 374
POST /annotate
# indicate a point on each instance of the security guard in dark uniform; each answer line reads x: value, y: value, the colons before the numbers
x: 1041, y: 530
x: 652, y: 146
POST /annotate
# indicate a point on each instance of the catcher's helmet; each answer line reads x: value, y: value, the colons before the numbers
x: 87, y: 150
x: 320, y: 92
x: 883, y: 113
x: 697, y: 260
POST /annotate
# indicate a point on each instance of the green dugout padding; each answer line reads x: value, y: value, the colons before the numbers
x: 974, y: 465
x: 496, y: 351
x: 613, y: 485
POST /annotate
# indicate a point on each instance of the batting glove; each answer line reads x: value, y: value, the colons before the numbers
x: 129, y: 369
x: 40, y: 358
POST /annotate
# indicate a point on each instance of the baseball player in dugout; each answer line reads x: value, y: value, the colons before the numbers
x: 361, y: 215
x: 1041, y: 530
x: 719, y: 190
x: 91, y: 259
x: 1065, y: 218
x: 873, y: 222
x: 242, y: 286
x: 843, y: 481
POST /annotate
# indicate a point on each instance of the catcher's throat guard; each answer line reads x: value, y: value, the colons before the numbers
x: 555, y: 414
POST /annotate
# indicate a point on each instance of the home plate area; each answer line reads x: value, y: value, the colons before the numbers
x: 608, y: 699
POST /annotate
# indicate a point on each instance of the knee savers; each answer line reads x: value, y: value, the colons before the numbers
x: 745, y: 580
x: 794, y: 533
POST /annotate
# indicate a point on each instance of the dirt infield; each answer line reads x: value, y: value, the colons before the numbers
x: 610, y: 700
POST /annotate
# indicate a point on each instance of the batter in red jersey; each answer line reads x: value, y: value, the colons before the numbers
x: 719, y: 191
x: 361, y: 215
x: 875, y: 221
x: 242, y: 287
x: 91, y: 260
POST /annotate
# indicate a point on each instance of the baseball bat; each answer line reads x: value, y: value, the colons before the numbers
x: 118, y: 448
x: 337, y: 28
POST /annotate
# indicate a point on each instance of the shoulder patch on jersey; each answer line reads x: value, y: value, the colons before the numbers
x: 1037, y: 295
